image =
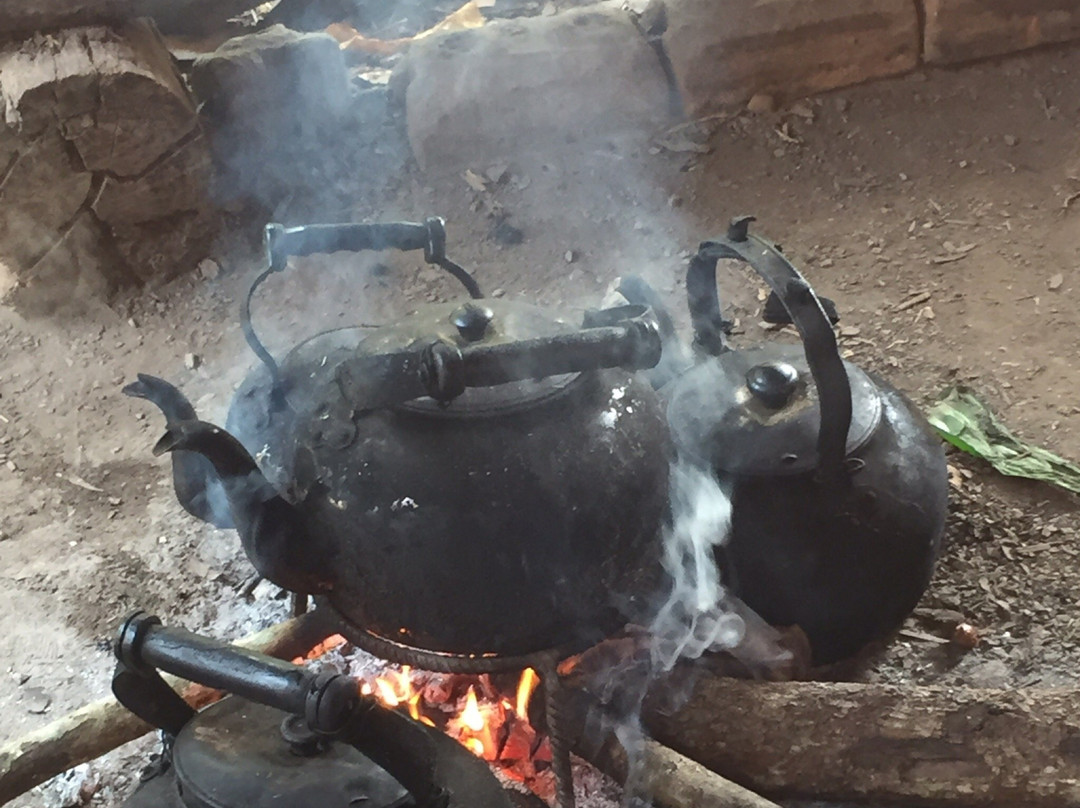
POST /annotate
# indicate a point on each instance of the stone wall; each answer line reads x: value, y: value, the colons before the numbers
x: 554, y: 79
x: 110, y: 176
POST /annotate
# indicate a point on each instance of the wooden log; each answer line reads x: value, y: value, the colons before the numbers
x: 104, y: 725
x: 672, y: 780
x: 103, y: 166
x: 658, y: 773
x: 920, y: 745
x: 184, y: 17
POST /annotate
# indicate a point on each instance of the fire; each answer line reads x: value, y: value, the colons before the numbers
x: 489, y: 726
x: 478, y: 727
x: 526, y: 686
x: 471, y: 716
x: 482, y: 712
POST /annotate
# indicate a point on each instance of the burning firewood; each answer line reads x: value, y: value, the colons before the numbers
x: 468, y: 16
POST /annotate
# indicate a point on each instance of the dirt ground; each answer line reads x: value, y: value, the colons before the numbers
x: 956, y: 183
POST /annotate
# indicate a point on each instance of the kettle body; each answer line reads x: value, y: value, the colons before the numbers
x: 839, y: 486
x: 484, y: 477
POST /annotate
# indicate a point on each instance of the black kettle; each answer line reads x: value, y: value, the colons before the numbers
x: 482, y: 477
x: 839, y: 487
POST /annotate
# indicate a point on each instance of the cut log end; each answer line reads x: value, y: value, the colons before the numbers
x: 104, y: 175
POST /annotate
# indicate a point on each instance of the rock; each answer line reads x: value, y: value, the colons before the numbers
x: 962, y: 30
x: 192, y: 361
x: 1055, y: 282
x: 990, y: 673
x: 803, y: 110
x: 208, y: 269
x: 277, y: 101
x: 1010, y: 140
x: 723, y: 56
x: 534, y: 83
x: 37, y: 700
x: 761, y: 104
x: 506, y: 234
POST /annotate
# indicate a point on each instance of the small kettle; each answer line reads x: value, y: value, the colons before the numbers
x: 839, y: 487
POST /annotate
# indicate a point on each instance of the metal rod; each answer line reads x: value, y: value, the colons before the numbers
x: 560, y: 743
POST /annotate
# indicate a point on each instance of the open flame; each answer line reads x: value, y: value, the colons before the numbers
x: 526, y: 686
x: 476, y: 710
x: 490, y: 725
x: 478, y: 727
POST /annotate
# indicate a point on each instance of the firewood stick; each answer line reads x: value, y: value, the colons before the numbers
x: 668, y: 778
x: 866, y: 742
x: 102, y: 726
x: 675, y: 781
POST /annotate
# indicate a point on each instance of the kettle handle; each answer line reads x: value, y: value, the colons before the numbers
x: 326, y: 705
x: 281, y: 242
x: 819, y: 340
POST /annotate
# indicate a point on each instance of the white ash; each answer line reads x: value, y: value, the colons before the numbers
x: 593, y: 788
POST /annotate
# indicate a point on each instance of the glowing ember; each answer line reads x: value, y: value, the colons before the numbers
x: 472, y: 710
x: 325, y: 647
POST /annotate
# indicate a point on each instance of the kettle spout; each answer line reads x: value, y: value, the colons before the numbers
x: 272, y: 529
x: 195, y: 482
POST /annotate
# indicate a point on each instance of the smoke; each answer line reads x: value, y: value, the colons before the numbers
x: 695, y: 617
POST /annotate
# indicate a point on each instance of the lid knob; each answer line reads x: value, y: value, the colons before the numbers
x: 772, y: 383
x: 471, y: 321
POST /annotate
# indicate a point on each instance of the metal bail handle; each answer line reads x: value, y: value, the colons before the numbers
x: 282, y: 242
x: 819, y: 340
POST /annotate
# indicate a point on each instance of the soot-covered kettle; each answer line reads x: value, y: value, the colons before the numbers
x: 480, y: 477
x: 839, y: 486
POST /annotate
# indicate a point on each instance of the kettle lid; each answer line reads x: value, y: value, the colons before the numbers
x: 757, y: 413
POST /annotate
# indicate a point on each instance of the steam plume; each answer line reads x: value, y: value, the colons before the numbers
x: 694, y: 618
